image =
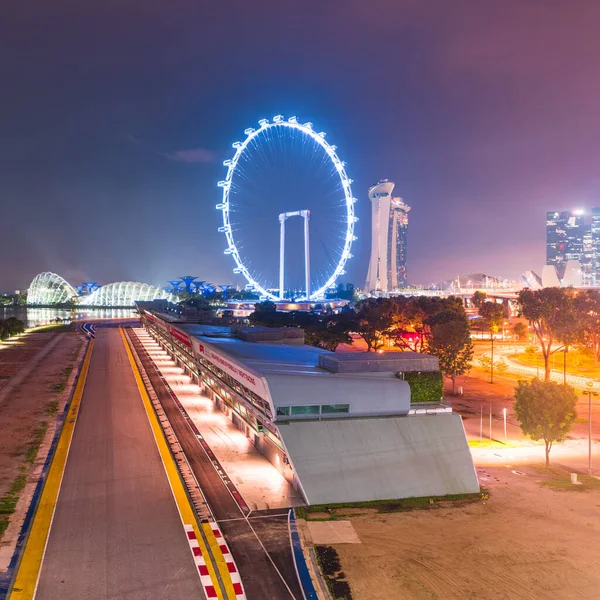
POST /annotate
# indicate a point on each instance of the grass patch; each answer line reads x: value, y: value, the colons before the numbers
x: 577, y: 364
x: 36, y: 442
x: 62, y: 384
x: 3, y: 525
x: 335, y: 511
x: 329, y: 563
x: 495, y: 444
x: 559, y: 479
x: 9, y: 501
x: 52, y: 408
x: 581, y: 420
x: 57, y: 328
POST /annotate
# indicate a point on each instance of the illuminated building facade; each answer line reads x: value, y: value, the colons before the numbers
x: 49, y: 289
x: 564, y: 238
x: 570, y: 238
x: 595, y: 230
x: 389, y: 229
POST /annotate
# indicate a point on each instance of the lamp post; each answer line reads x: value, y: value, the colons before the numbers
x: 493, y: 330
x: 565, y: 350
x: 590, y: 394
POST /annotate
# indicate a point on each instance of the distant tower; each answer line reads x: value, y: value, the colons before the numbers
x: 389, y: 228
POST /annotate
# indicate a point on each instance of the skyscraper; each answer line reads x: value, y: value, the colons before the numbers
x: 595, y: 229
x: 587, y: 257
x: 389, y: 228
x: 564, y: 238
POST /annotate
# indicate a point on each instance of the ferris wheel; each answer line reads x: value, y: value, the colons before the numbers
x: 285, y: 169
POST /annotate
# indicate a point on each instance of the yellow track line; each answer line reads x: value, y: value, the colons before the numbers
x: 184, y: 507
x: 219, y: 559
x: 26, y: 581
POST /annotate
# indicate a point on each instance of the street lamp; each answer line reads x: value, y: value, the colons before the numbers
x: 589, y: 392
x: 493, y: 330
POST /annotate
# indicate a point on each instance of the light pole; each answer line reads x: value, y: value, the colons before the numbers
x: 493, y: 330
x: 590, y: 394
x: 565, y: 350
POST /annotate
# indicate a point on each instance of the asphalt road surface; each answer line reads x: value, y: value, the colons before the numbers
x: 116, y: 532
x: 260, y: 544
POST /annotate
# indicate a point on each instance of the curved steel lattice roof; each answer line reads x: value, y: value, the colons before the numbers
x: 49, y: 288
x: 124, y: 293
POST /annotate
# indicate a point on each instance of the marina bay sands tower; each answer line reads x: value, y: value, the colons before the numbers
x: 389, y: 228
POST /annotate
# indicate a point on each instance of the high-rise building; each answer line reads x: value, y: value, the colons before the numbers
x: 595, y: 230
x: 587, y: 257
x: 389, y: 228
x: 564, y: 238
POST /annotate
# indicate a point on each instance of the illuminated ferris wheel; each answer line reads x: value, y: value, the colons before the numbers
x: 282, y: 170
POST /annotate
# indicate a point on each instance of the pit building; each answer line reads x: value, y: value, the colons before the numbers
x: 340, y: 427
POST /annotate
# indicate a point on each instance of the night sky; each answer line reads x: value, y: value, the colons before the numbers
x: 115, y: 117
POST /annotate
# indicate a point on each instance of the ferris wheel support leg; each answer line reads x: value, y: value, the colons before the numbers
x: 306, y: 215
x: 281, y: 255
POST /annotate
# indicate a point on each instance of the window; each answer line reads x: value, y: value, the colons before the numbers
x: 305, y: 410
x: 283, y: 411
x: 328, y: 409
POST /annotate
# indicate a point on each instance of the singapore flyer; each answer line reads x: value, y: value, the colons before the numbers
x: 288, y: 210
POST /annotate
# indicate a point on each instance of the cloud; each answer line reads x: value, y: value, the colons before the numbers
x: 197, y: 155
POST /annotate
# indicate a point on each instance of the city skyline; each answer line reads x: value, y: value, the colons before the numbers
x: 122, y: 185
x: 570, y: 236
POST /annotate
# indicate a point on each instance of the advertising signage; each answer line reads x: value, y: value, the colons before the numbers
x: 247, y: 378
x: 184, y: 338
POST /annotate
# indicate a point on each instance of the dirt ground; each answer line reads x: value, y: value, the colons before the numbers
x: 15, y: 354
x: 526, y: 542
x: 26, y: 407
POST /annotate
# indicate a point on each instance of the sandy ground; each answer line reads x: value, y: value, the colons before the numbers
x: 25, y: 407
x: 14, y: 354
x: 526, y: 542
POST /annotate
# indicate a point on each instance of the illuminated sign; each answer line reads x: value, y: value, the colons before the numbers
x: 248, y: 378
x: 182, y: 337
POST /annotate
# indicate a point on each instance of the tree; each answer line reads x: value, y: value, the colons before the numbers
x: 374, y: 319
x: 587, y: 308
x: 520, y: 331
x: 547, y: 310
x: 414, y: 318
x: 12, y: 326
x: 478, y: 298
x: 545, y: 410
x: 492, y: 315
x: 265, y: 313
x: 451, y: 343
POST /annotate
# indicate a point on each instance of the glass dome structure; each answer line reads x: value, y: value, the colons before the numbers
x: 124, y: 293
x: 49, y: 288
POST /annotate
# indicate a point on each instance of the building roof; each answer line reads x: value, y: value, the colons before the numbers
x: 261, y: 358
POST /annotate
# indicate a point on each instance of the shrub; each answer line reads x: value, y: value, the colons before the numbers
x: 425, y: 386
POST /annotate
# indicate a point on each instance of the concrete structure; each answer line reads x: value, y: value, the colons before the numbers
x: 389, y: 227
x: 307, y: 410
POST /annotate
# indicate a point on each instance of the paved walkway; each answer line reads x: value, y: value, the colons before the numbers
x: 257, y: 480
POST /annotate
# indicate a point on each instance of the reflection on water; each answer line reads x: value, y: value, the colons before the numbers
x: 33, y: 317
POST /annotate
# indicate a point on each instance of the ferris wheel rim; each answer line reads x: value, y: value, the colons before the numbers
x: 231, y: 164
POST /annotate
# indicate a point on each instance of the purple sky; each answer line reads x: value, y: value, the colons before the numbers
x: 116, y: 116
